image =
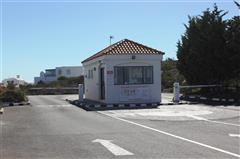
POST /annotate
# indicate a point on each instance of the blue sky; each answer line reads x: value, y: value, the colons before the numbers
x: 43, y: 34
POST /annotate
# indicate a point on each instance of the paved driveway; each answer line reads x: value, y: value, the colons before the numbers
x: 52, y: 128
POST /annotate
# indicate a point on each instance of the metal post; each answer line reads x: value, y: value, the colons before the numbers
x: 110, y: 38
x: 176, y: 91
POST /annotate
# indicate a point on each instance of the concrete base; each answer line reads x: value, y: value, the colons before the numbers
x: 1, y: 110
x: 94, y: 106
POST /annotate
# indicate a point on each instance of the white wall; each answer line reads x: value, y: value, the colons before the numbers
x: 49, y: 79
x: 144, y: 92
x: 92, y: 84
x: 114, y: 93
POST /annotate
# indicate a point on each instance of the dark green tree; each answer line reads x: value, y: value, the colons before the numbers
x: 233, y: 47
x: 201, y: 54
x: 170, y: 74
x: 62, y: 78
x: 237, y: 4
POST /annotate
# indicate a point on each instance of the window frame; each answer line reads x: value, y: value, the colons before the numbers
x: 124, y: 75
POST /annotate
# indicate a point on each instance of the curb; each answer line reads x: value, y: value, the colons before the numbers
x: 202, y: 99
x: 123, y: 106
x: 95, y: 107
x: 16, y: 104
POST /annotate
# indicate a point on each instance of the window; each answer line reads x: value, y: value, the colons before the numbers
x: 60, y: 72
x: 133, y: 75
x: 90, y: 74
x: 68, y: 72
x: 50, y: 72
x: 148, y: 75
x: 119, y: 75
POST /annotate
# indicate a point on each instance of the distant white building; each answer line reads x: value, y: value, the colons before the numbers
x: 51, y: 75
x: 69, y: 71
x: 46, y: 77
x: 125, y: 72
x: 15, y: 81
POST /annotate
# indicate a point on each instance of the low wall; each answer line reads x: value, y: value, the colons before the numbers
x: 49, y: 91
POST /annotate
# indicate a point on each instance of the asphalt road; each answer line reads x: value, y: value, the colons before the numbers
x: 52, y: 128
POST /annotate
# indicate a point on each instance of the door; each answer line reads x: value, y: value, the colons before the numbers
x: 102, y: 84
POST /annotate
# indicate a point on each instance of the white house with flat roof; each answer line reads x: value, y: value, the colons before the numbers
x: 124, y: 72
x: 69, y: 71
x: 51, y: 75
x: 15, y: 81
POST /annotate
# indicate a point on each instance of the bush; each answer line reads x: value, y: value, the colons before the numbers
x: 12, y: 96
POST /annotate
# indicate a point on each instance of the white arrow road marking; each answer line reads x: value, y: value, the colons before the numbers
x: 115, y: 149
x: 234, y: 135
x: 175, y: 136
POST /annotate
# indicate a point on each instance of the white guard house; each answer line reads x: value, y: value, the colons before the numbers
x: 124, y: 72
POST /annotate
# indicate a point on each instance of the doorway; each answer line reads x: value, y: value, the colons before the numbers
x: 102, y: 84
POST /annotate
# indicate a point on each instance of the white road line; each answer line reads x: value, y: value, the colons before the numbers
x: 47, y: 106
x: 211, y: 121
x: 114, y: 149
x: 220, y: 122
x: 196, y: 117
x: 175, y: 136
x: 234, y: 135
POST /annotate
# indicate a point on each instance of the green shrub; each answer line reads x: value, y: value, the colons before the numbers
x: 12, y: 96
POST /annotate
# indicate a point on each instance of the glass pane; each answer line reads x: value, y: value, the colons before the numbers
x: 118, y: 75
x: 148, y: 75
x: 126, y: 75
x: 135, y: 75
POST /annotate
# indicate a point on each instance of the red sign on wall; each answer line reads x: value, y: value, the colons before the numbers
x: 109, y: 72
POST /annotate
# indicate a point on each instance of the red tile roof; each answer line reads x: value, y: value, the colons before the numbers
x: 124, y: 47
